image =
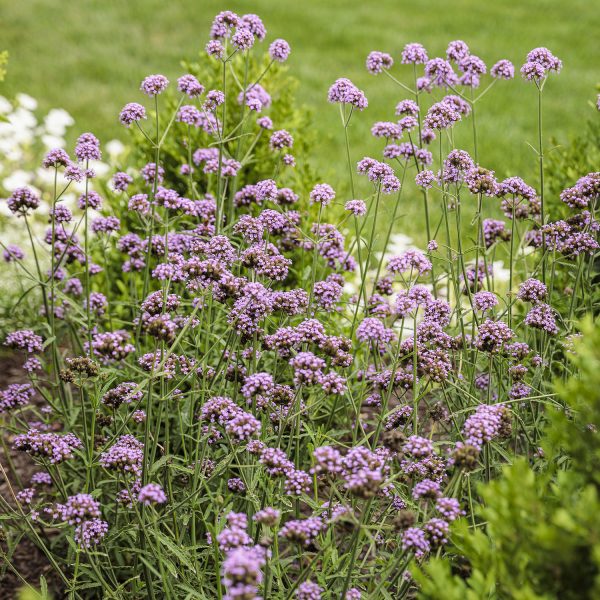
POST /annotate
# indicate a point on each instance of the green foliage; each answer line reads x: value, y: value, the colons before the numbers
x: 30, y: 593
x: 3, y: 63
x: 539, y: 536
x: 568, y: 163
x: 573, y: 435
x: 541, y: 540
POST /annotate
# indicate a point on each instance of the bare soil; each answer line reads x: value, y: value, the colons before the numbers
x: 27, y: 559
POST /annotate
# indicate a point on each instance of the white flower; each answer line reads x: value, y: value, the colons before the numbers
x: 99, y: 167
x: 501, y: 274
x: 27, y: 101
x: 351, y: 287
x: 22, y: 121
x: 399, y: 243
x: 5, y: 129
x: 53, y: 141
x: 70, y: 201
x: 16, y: 179
x: 5, y: 212
x: 77, y: 187
x: 526, y: 250
x: 45, y: 176
x: 5, y: 105
x: 114, y: 148
x: 406, y: 327
x: 10, y: 149
x: 57, y: 120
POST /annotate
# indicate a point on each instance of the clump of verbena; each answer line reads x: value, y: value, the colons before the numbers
x: 235, y: 385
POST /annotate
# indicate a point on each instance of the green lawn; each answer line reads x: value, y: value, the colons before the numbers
x: 89, y: 56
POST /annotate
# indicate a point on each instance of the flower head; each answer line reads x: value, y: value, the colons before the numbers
x: 457, y: 50
x: 414, y: 54
x: 22, y: 200
x: 378, y: 61
x: 152, y: 493
x: 440, y: 72
x: 357, y: 207
x: 540, y: 62
x: 56, y: 157
x: 255, y: 25
x: 189, y: 85
x: 131, y: 113
x: 87, y: 148
x: 441, y: 115
x: 322, y: 194
x: 343, y: 91
x: 279, y: 50
x: 242, y: 39
x: 153, y: 85
x: 503, y: 69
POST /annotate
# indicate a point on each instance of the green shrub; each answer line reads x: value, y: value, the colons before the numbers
x: 538, y: 536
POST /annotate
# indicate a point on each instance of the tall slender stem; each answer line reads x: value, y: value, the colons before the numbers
x: 541, y: 162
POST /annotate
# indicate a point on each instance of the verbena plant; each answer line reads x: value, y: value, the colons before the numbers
x: 234, y: 391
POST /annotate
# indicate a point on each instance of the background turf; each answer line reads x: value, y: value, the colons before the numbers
x: 89, y: 57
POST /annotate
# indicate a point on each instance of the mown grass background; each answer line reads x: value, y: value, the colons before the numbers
x: 89, y: 57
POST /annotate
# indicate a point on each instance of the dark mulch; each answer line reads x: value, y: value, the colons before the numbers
x: 27, y: 558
